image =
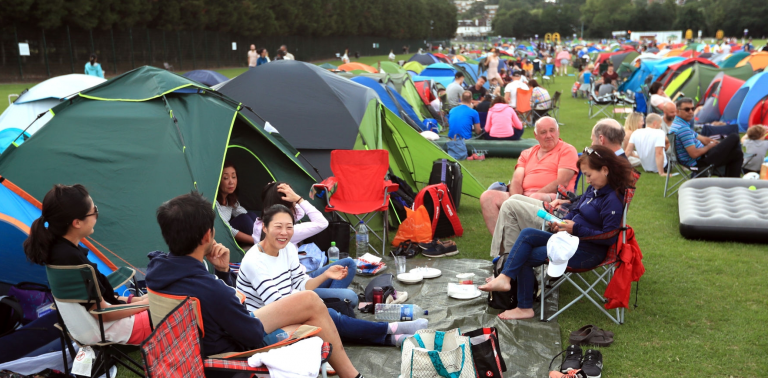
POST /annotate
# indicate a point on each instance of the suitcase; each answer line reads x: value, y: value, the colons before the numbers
x: 449, y: 173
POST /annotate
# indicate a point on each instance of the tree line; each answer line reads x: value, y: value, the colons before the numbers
x: 525, y: 18
x: 399, y: 19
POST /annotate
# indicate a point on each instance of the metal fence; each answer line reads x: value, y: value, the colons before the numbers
x: 66, y: 50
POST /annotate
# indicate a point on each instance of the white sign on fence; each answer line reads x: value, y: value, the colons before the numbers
x: 234, y: 46
x: 24, y: 49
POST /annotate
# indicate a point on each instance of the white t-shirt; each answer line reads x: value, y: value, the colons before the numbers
x: 511, y: 88
x: 264, y: 279
x: 437, y: 105
x: 658, y: 100
x: 646, y: 140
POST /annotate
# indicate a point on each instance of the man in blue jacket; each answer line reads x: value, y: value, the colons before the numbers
x: 186, y: 223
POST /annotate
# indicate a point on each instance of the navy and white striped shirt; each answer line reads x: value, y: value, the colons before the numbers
x: 264, y: 279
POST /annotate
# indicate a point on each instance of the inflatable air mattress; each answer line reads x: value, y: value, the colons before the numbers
x: 724, y: 209
x: 495, y: 148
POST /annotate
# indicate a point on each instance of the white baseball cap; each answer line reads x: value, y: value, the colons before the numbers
x: 560, y: 248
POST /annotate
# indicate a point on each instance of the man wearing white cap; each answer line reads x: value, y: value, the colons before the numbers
x: 596, y: 214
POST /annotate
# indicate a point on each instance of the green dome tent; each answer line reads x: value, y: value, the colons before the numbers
x: 143, y: 138
x: 403, y: 84
x: 694, y: 81
x: 391, y: 68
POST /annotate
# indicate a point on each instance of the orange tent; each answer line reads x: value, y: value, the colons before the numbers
x: 357, y: 66
x: 758, y: 60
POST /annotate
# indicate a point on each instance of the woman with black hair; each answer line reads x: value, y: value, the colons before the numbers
x: 92, y: 68
x: 239, y: 220
x: 69, y: 215
x: 597, y: 212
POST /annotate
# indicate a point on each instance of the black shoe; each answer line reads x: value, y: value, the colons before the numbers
x: 407, y: 249
x: 572, y: 360
x: 436, y: 248
x: 593, y: 363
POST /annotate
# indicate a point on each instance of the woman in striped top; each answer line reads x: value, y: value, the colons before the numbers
x: 271, y: 271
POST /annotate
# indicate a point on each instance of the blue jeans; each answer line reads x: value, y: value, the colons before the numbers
x: 358, y: 330
x: 337, y: 288
x: 530, y: 251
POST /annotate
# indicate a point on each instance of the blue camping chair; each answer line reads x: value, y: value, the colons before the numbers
x: 549, y: 74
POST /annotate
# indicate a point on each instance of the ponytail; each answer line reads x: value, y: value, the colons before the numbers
x: 61, y: 205
x: 93, y: 59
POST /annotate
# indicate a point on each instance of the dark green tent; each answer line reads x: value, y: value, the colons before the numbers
x: 143, y: 138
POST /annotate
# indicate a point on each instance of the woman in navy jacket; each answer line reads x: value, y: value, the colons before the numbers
x: 598, y: 211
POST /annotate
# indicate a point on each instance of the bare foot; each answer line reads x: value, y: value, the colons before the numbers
x: 488, y: 279
x: 500, y: 283
x: 517, y: 313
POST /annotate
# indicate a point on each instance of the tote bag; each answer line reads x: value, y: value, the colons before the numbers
x: 430, y: 353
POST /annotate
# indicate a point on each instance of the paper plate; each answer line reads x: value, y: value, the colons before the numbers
x: 410, y: 277
x: 465, y: 295
x: 427, y: 272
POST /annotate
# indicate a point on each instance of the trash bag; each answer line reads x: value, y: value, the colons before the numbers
x: 416, y: 227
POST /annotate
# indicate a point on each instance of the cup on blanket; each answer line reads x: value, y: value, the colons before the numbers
x: 400, y: 264
x: 282, y: 336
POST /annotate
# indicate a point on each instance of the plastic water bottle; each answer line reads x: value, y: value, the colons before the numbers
x: 399, y: 312
x: 333, y: 253
x: 361, y: 236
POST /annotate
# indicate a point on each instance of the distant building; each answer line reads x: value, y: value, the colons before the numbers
x: 473, y: 28
x: 463, y: 5
x: 490, y: 11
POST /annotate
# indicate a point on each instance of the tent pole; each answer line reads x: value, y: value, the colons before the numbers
x: 45, y: 55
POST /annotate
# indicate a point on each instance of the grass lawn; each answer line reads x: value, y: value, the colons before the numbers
x: 701, y: 308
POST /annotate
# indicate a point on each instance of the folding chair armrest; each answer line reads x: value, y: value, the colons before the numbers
x: 117, y: 308
x: 231, y: 365
x: 388, y: 188
x: 328, y: 185
x: 120, y: 276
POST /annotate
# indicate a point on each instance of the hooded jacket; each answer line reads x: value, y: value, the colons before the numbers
x: 502, y: 121
x: 228, y: 327
x: 596, y: 212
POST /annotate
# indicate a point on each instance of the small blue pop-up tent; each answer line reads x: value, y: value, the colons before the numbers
x: 17, y: 212
x: 662, y: 65
x: 391, y: 100
x: 209, y: 78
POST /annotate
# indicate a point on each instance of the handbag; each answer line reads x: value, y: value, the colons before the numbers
x: 343, y: 307
x: 431, y: 353
x: 383, y: 281
x: 457, y: 148
x: 486, y: 352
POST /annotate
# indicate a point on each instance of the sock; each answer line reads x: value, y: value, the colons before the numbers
x: 359, y: 375
x: 396, y: 340
x: 411, y: 327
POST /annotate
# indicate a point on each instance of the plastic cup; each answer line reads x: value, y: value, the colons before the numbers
x: 282, y: 336
x: 400, y: 264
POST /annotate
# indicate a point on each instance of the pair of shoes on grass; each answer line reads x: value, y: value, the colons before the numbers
x: 590, y: 363
x: 437, y: 248
x: 476, y: 156
x: 591, y: 335
x: 408, y: 249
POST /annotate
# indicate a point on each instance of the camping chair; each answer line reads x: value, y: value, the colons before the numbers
x: 674, y: 161
x: 523, y: 107
x: 73, y: 285
x: 549, y: 74
x: 554, y: 107
x: 598, y: 104
x: 358, y: 187
x: 175, y: 348
x: 602, y: 273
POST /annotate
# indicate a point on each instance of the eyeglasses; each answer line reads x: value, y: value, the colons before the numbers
x: 95, y: 212
x: 686, y: 109
x: 590, y: 151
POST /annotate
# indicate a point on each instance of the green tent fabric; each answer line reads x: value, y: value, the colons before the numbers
x: 414, y: 66
x: 696, y: 83
x: 734, y: 59
x: 136, y: 141
x: 391, y: 68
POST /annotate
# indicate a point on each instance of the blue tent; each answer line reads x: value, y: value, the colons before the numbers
x: 661, y: 66
x: 744, y: 100
x: 209, y: 78
x: 637, y: 79
x: 438, y: 69
x: 391, y: 99
x: 593, y: 49
x: 16, y: 217
x: 11, y: 135
x: 473, y: 70
x: 425, y: 59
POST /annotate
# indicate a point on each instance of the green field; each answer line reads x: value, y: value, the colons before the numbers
x: 702, y: 307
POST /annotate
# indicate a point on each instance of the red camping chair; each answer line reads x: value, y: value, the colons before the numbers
x: 174, y: 349
x: 359, y: 187
x: 523, y: 106
x: 602, y: 273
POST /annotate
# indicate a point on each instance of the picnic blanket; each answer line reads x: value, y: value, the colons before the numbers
x: 527, y: 345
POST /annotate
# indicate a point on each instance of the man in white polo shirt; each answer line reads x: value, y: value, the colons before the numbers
x: 649, y: 144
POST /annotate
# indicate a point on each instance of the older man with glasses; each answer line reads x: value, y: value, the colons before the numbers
x: 697, y: 150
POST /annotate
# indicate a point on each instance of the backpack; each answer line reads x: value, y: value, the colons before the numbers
x: 437, y: 200
x: 505, y: 300
x: 11, y: 315
x: 399, y: 200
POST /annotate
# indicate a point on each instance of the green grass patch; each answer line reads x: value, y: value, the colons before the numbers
x: 701, y: 308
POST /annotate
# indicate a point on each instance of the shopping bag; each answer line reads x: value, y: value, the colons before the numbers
x: 417, y: 227
x: 430, y: 353
x: 457, y: 148
x: 486, y: 352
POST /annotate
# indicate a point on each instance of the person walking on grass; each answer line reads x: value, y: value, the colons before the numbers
x: 93, y: 68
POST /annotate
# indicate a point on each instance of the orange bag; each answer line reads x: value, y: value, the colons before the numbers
x: 416, y: 227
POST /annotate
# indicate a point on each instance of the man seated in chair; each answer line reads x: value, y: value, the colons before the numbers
x: 697, y: 150
x: 650, y: 144
x: 186, y: 223
x: 539, y: 170
x: 519, y: 212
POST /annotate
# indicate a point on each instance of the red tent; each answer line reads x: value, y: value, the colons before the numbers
x: 677, y: 68
x: 690, y: 54
x: 443, y: 58
x: 425, y: 91
x: 727, y: 89
x: 759, y: 115
x: 602, y: 58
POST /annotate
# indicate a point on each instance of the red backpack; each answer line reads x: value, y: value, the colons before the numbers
x: 439, y: 204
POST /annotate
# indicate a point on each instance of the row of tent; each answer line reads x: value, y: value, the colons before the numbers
x: 149, y: 135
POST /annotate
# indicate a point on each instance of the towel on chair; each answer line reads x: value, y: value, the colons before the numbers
x: 282, y: 362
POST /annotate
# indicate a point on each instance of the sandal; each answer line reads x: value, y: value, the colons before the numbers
x: 591, y: 335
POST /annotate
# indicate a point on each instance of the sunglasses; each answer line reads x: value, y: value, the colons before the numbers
x: 590, y: 151
x: 95, y: 212
x: 686, y: 109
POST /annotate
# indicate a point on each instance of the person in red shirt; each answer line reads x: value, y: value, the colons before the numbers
x: 609, y: 76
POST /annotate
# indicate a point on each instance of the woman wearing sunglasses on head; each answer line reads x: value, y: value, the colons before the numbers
x: 69, y: 215
x: 598, y: 211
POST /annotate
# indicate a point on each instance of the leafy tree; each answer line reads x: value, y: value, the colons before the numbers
x: 691, y: 16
